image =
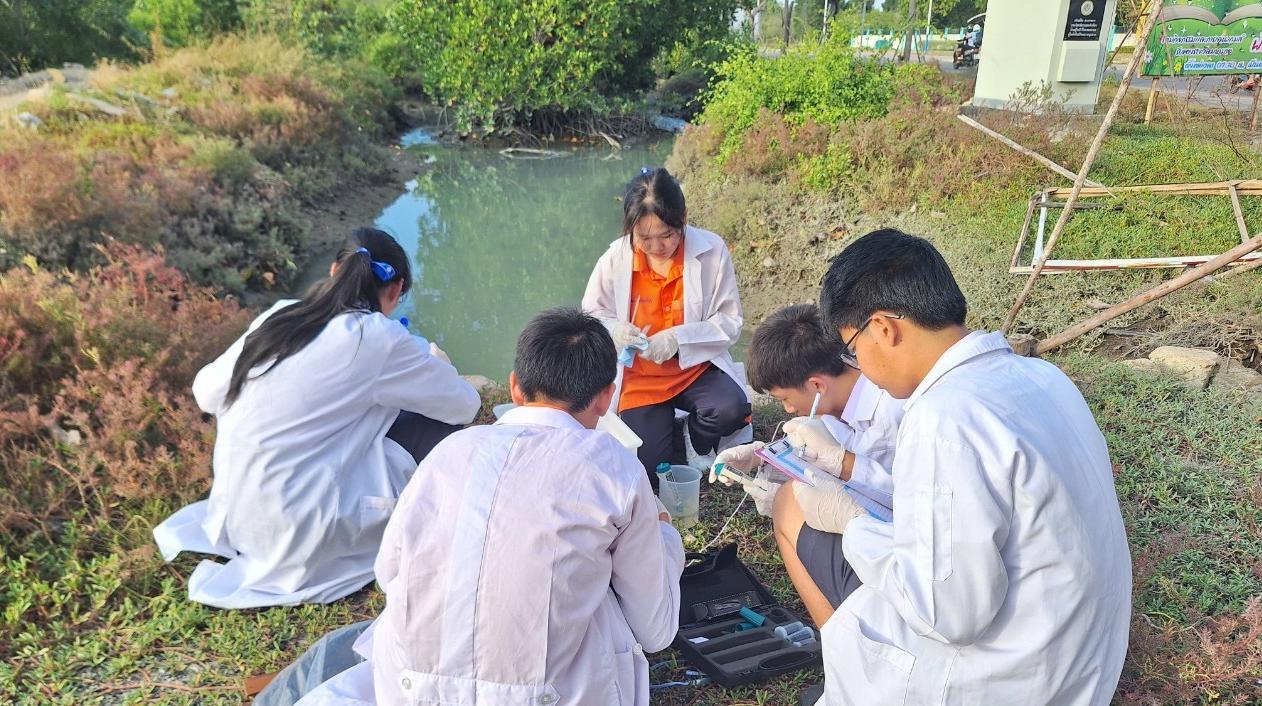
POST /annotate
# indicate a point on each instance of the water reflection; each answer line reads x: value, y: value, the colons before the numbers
x: 495, y: 240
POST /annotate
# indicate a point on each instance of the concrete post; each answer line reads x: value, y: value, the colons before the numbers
x: 1061, y: 43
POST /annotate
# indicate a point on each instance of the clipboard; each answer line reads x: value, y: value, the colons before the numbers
x: 782, y: 457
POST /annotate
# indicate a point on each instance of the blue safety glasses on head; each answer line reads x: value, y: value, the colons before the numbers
x: 383, y: 270
x: 645, y: 171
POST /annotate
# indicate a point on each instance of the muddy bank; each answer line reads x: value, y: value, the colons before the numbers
x: 358, y: 204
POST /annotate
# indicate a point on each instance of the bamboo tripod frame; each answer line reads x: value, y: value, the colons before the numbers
x: 1206, y: 265
x: 1047, y: 199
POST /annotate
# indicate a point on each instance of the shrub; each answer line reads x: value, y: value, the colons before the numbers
x: 35, y: 35
x: 251, y: 130
x: 826, y: 84
x: 179, y: 23
x: 828, y: 171
x: 337, y: 29
x: 106, y: 356
x: 773, y: 144
x: 498, y: 61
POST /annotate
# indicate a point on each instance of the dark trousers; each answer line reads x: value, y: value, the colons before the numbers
x: 418, y: 434
x: 716, y: 407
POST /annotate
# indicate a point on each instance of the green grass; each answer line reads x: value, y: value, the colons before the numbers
x: 111, y: 623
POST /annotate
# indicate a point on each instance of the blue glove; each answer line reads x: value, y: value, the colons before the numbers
x: 627, y: 356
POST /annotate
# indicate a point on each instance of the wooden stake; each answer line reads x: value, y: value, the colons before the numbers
x: 1152, y: 101
x: 1235, y: 206
x: 1247, y: 267
x: 1056, y: 267
x: 1253, y: 119
x: 1131, y: 69
x: 1025, y: 150
x: 1244, y: 187
x: 1153, y: 294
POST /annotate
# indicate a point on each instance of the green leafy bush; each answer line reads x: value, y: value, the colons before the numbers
x: 497, y: 62
x: 827, y: 171
x: 827, y: 85
x: 178, y: 23
x: 340, y: 29
x: 35, y: 35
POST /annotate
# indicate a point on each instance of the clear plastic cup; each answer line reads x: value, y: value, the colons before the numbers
x: 680, y: 492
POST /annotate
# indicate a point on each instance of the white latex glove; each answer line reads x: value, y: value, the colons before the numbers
x: 662, y: 513
x: 741, y: 458
x: 813, y: 442
x: 662, y: 347
x: 737, y: 462
x: 827, y: 506
x: 438, y: 353
x: 763, y: 490
x: 624, y: 334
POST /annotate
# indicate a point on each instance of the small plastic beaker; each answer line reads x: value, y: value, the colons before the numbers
x: 680, y: 492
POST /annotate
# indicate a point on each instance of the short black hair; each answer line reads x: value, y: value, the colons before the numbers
x: 565, y: 356
x: 889, y: 270
x: 790, y: 346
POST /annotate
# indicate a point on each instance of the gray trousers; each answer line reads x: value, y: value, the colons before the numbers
x: 328, y: 657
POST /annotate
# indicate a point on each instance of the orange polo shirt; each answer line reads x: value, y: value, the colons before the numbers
x: 657, y: 303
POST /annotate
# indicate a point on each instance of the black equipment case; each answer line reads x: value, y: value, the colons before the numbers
x: 714, y: 587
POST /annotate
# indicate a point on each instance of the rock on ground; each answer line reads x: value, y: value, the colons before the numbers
x: 1143, y: 365
x: 479, y: 382
x: 1194, y: 366
x: 1233, y: 375
x: 1199, y: 369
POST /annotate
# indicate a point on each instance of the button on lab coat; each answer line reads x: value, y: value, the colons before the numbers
x: 712, y: 304
x: 1005, y: 575
x: 525, y: 564
x: 304, y: 478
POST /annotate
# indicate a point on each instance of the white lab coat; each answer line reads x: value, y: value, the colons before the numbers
x: 712, y: 305
x: 1005, y: 575
x: 304, y: 478
x: 868, y: 428
x: 525, y: 564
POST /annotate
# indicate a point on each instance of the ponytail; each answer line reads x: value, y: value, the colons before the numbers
x: 369, y: 261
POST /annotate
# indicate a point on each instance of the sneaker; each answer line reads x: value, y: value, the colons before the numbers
x: 701, y: 462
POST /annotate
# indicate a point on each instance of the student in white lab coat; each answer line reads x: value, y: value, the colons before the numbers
x: 1005, y: 576
x: 793, y: 359
x: 528, y: 562
x: 323, y: 410
x: 667, y: 293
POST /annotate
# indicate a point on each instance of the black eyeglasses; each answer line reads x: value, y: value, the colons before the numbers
x: 849, y: 350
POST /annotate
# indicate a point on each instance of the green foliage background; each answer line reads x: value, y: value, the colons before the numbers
x: 36, y: 35
x: 497, y: 61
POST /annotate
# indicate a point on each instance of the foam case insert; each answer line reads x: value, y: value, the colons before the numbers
x: 713, y: 588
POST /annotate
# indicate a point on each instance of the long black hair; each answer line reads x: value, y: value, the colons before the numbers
x: 653, y: 191
x: 355, y: 286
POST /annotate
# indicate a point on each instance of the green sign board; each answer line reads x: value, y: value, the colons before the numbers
x: 1205, y: 38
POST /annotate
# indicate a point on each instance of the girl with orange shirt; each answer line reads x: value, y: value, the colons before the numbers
x: 670, y: 289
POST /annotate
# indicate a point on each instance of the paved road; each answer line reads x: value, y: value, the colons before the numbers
x: 1211, y: 91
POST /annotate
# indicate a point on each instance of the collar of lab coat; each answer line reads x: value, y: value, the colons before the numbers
x: 696, y: 242
x: 540, y: 416
x: 974, y: 345
x: 861, y: 406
